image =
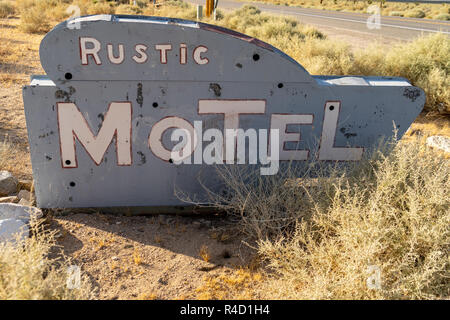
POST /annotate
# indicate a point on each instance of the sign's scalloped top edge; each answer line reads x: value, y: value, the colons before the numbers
x: 122, y: 18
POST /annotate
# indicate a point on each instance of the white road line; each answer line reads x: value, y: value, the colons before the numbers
x: 352, y: 20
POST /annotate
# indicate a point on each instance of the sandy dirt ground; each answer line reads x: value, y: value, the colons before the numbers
x: 150, y: 257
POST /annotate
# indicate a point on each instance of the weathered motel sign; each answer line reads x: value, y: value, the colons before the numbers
x: 100, y: 122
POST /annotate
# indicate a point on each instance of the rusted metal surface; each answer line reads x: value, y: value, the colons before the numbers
x: 172, y: 83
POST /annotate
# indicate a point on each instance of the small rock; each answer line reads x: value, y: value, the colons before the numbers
x: 25, y: 184
x: 25, y: 202
x: 9, y: 228
x: 8, y: 183
x: 11, y: 199
x: 115, y: 258
x: 440, y: 142
x: 24, y: 194
x: 20, y: 212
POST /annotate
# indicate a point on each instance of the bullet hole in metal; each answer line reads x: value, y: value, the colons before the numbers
x: 155, y: 104
x: 331, y: 108
x: 280, y: 85
x: 72, y: 184
x: 216, y: 88
x: 68, y: 162
x: 68, y: 76
x: 170, y: 160
x: 256, y: 57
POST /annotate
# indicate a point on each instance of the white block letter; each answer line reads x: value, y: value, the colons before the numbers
x: 327, y: 150
x: 198, y: 55
x: 163, y: 48
x: 183, y: 53
x: 85, y: 52
x: 156, y: 134
x: 280, y: 122
x: 140, y: 50
x: 112, y: 58
x: 231, y: 109
x: 72, y: 124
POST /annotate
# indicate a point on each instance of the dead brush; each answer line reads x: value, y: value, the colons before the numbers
x: 204, y: 253
x: 319, y: 239
x: 36, y: 269
x: 238, y: 284
x: 428, y: 10
x: 7, y: 9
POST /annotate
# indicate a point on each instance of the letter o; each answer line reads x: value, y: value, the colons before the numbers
x: 155, y: 138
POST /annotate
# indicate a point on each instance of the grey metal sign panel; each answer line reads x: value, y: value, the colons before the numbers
x: 101, y: 143
x: 158, y: 49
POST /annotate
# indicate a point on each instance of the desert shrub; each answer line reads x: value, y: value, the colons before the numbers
x: 6, y: 147
x: 425, y: 62
x: 101, y: 8
x: 322, y: 232
x: 6, y: 9
x: 396, y: 219
x: 36, y: 15
x: 418, y: 10
x: 128, y: 9
x: 34, y: 20
x: 415, y: 14
x: 443, y: 16
x: 269, y: 28
x: 28, y: 272
x: 396, y: 14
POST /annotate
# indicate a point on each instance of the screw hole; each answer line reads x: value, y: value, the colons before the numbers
x: 72, y: 184
x: 68, y: 76
x: 68, y: 162
x: 331, y: 108
x: 226, y: 254
x: 155, y: 104
x: 280, y: 85
x: 256, y: 57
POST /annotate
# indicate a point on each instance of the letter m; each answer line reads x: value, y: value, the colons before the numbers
x: 72, y: 124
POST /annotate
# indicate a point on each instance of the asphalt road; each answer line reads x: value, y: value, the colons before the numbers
x: 394, y: 28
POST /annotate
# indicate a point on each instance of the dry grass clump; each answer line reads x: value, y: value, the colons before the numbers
x: 204, y: 253
x: 27, y: 271
x: 39, y: 16
x: 415, y: 14
x: 5, y: 148
x: 444, y: 16
x: 425, y: 62
x: 34, y: 18
x: 324, y: 237
x: 269, y: 28
x: 7, y: 154
x: 411, y: 9
x: 239, y: 284
x: 13, y: 158
x: 7, y: 9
